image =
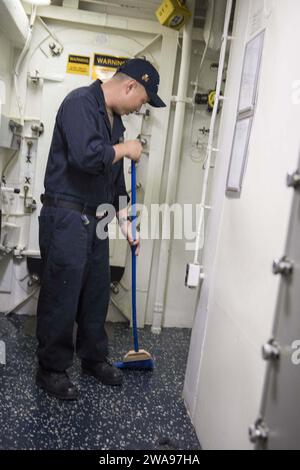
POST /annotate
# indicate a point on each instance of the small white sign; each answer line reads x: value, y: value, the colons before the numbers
x: 250, y: 75
x: 101, y: 39
x: 239, y: 154
x: 2, y: 92
x: 2, y: 96
x: 2, y: 353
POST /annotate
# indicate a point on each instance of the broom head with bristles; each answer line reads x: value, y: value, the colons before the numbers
x: 140, y: 359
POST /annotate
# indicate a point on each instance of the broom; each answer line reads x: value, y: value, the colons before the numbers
x: 136, y: 358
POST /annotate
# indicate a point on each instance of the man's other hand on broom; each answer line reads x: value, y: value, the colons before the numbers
x: 126, y: 228
x: 130, y: 239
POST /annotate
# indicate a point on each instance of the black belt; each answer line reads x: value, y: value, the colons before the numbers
x: 55, y: 202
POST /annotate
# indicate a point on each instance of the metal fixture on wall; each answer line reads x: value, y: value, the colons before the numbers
x: 283, y: 266
x: 271, y: 350
x: 258, y: 432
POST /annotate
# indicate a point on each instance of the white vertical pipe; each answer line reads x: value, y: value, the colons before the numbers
x: 212, y: 126
x: 173, y: 168
x: 19, y: 63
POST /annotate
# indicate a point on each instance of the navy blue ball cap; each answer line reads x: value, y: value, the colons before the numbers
x: 143, y: 72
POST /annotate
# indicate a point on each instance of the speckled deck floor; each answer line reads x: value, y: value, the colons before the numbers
x: 147, y: 412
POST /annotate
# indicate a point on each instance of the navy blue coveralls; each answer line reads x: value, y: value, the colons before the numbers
x: 76, y: 274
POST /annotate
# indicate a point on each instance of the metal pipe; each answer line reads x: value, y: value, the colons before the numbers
x: 118, y: 5
x: 212, y: 127
x: 7, y: 189
x: 32, y: 253
x: 19, y: 63
x: 173, y: 169
x: 196, y: 85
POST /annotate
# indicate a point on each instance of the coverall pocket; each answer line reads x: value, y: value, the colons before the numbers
x: 62, y: 285
x: 69, y: 240
x: 60, y: 274
x: 46, y: 224
x: 63, y: 218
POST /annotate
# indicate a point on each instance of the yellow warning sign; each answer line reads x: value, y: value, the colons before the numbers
x: 105, y: 66
x: 78, y: 64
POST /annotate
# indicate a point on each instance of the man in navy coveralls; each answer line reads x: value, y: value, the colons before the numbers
x: 85, y: 170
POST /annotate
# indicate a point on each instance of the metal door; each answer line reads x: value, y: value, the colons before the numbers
x: 278, y: 427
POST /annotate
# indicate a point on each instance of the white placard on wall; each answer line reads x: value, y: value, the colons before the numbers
x: 2, y: 96
x: 2, y: 91
x: 239, y: 154
x: 250, y: 74
x: 245, y: 112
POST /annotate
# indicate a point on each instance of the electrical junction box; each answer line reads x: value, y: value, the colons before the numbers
x: 173, y: 13
x: 193, y: 275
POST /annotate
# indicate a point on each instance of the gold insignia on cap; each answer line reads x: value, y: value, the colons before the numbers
x: 145, y: 77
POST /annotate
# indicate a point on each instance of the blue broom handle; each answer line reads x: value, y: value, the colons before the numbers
x: 133, y: 256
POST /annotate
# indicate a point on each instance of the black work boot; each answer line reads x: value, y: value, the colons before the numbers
x: 57, y: 384
x: 103, y: 371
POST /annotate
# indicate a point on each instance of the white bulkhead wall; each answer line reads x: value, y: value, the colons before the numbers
x: 225, y: 372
